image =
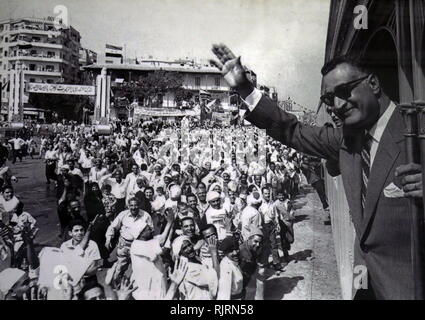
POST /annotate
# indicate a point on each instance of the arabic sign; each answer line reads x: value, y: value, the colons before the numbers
x: 61, y: 89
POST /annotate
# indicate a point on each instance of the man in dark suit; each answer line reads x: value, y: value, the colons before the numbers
x: 370, y: 149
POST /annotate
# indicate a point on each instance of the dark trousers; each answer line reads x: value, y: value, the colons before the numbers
x: 50, y: 172
x: 17, y: 154
x: 119, y: 205
x: 270, y: 243
x: 319, y: 186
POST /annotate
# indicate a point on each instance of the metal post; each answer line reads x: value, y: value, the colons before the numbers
x: 421, y: 136
x: 417, y: 232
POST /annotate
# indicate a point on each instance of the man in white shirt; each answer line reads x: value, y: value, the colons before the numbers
x: 80, y: 254
x: 129, y: 223
x: 17, y: 144
x: 250, y: 216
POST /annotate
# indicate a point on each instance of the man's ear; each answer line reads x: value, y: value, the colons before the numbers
x: 374, y: 84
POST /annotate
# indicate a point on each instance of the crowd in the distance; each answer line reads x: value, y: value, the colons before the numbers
x: 154, y: 211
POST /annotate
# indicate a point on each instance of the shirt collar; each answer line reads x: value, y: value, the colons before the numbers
x: 69, y: 244
x: 378, y: 129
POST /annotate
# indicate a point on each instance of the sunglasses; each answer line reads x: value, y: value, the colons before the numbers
x: 342, y: 91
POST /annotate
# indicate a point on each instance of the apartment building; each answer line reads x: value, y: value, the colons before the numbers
x: 47, y: 51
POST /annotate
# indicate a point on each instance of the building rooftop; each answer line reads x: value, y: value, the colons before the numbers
x: 149, y: 66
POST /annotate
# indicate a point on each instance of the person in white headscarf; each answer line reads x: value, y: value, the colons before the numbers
x: 149, y: 272
x: 200, y: 281
x: 250, y: 216
x: 216, y: 214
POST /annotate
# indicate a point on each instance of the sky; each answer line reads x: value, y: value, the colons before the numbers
x: 283, y: 41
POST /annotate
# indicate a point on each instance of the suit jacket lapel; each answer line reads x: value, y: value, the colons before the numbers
x: 350, y: 162
x: 387, y: 153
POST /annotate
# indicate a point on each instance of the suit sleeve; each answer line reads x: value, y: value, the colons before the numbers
x: 321, y: 142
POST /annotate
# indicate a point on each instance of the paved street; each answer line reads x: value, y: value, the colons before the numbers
x: 310, y: 275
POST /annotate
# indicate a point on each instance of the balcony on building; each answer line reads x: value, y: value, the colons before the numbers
x: 36, y: 57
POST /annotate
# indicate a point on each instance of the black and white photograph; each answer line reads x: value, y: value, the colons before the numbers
x: 212, y: 150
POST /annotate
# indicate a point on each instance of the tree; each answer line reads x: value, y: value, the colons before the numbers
x: 182, y: 94
x: 151, y: 88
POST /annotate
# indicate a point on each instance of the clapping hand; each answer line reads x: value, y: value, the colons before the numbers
x: 126, y: 289
x: 169, y: 215
x: 180, y: 268
x: 228, y: 223
x: 212, y: 244
x: 232, y: 69
x: 36, y: 293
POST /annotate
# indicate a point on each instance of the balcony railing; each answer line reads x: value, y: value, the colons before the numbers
x: 34, y: 31
x: 37, y: 57
x: 45, y: 72
x: 35, y: 43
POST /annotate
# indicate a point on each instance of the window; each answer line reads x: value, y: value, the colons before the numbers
x: 32, y: 80
x: 50, y: 68
x: 6, y: 39
x: 217, y: 82
x: 197, y: 81
x: 50, y: 54
x: 49, y: 81
x: 32, y: 67
x: 5, y: 53
x: 33, y: 52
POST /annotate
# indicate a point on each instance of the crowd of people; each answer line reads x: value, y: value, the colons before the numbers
x: 188, y: 211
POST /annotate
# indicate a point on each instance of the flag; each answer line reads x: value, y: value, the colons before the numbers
x: 209, y: 106
x: 113, y: 51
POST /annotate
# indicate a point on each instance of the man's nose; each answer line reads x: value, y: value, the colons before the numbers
x: 339, y: 103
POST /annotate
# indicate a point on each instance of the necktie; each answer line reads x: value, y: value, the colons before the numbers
x: 365, y: 154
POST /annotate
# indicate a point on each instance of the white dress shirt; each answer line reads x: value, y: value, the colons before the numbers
x: 378, y: 129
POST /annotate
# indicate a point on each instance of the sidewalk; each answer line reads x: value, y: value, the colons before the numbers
x: 312, y: 271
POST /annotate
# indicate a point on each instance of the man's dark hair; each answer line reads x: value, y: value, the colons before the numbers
x: 356, y: 62
x: 265, y: 188
x: 149, y: 188
x: 191, y: 195
x: 20, y: 207
x: 77, y: 222
x: 201, y: 184
x: 8, y: 186
x: 208, y: 226
x: 90, y: 285
x: 186, y: 218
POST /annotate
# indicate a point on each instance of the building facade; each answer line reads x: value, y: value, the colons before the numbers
x: 86, y: 57
x: 199, y: 79
x: 48, y: 52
